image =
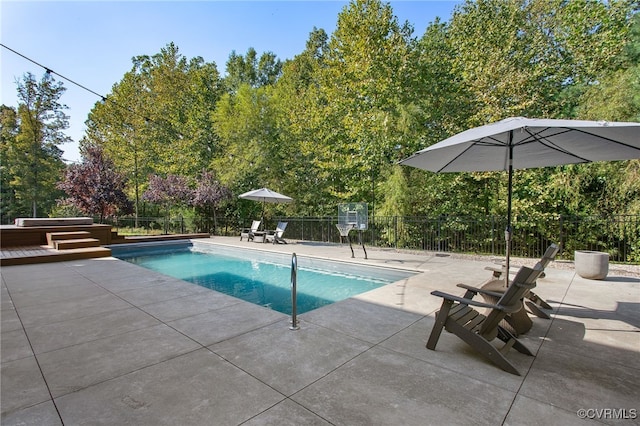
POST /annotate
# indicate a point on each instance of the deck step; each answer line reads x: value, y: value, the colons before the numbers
x: 60, y: 256
x: 76, y: 243
x: 69, y: 235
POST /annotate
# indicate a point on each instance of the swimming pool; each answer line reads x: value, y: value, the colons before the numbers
x: 259, y: 277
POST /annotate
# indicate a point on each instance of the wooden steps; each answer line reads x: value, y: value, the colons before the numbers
x: 58, y: 245
x: 52, y: 237
x: 71, y: 240
x: 44, y: 254
x: 76, y: 243
x: 62, y: 246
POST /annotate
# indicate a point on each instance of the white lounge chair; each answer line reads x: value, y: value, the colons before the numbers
x: 250, y: 232
x: 276, y: 236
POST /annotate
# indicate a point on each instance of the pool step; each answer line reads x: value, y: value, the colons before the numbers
x: 76, y: 243
x: 69, y: 235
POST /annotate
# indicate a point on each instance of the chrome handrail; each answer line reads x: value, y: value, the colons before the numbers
x: 294, y: 295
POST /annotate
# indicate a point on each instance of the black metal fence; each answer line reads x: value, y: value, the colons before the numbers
x: 161, y: 225
x: 617, y: 235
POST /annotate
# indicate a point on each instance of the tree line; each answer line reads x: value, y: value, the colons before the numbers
x: 329, y: 125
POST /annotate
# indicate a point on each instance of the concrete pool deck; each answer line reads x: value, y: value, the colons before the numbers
x: 102, y: 341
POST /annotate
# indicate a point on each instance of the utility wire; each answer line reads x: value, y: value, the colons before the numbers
x: 103, y: 98
x: 50, y: 71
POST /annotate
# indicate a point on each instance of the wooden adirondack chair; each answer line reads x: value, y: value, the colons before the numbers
x: 276, y: 236
x: 534, y: 302
x: 458, y: 316
x: 250, y: 232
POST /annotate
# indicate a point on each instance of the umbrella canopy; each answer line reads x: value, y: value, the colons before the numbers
x: 266, y: 196
x: 521, y: 143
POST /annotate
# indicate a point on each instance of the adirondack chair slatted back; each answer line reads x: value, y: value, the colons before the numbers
x: 549, y: 255
x: 280, y: 228
x: 255, y: 225
x: 524, y: 281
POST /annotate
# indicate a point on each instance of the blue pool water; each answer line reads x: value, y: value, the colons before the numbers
x: 259, y: 277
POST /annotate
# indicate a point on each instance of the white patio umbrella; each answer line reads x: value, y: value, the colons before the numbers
x: 265, y: 195
x: 521, y: 143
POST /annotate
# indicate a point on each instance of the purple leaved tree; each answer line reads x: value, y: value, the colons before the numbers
x: 168, y: 192
x: 95, y: 187
x: 207, y: 197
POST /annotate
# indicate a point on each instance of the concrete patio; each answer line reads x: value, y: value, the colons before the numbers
x: 102, y: 341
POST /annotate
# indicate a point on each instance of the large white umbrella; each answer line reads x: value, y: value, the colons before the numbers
x: 521, y: 143
x: 265, y: 195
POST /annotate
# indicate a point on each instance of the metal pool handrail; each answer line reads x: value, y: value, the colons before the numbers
x: 294, y: 295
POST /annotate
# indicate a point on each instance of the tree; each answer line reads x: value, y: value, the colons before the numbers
x: 95, y: 187
x: 8, y: 131
x: 531, y: 58
x: 167, y: 192
x: 298, y: 115
x: 616, y: 97
x: 328, y: 125
x: 367, y: 92
x: 208, y: 195
x: 33, y: 156
x: 249, y: 70
x: 251, y: 151
x: 157, y: 119
x: 244, y: 122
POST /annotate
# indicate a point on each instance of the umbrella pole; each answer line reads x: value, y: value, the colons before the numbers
x: 507, y: 231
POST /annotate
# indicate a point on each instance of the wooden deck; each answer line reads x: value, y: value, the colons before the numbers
x: 26, y: 255
x: 30, y: 254
x: 18, y: 236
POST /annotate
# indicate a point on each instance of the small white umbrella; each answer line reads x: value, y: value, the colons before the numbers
x: 521, y: 143
x: 265, y: 195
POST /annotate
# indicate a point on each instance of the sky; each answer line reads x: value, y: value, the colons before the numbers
x: 92, y: 42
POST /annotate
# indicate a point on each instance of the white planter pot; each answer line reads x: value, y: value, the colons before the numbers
x: 592, y: 265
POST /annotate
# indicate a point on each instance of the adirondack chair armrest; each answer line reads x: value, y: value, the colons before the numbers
x: 477, y: 290
x: 498, y: 269
x: 497, y: 295
x: 511, y: 308
x: 465, y: 301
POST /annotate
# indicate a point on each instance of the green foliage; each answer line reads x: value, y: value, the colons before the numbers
x: 31, y: 157
x: 65, y: 208
x: 366, y: 95
x: 539, y: 59
x: 9, y: 207
x: 248, y: 69
x: 329, y: 125
x: 157, y: 119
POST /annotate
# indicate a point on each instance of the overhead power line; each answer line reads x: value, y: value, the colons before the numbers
x: 103, y: 98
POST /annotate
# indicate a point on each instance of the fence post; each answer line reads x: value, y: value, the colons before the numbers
x: 395, y: 231
x: 493, y: 235
x: 561, y: 235
x: 438, y: 233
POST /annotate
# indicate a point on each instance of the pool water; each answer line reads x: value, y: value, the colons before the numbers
x: 262, y: 279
